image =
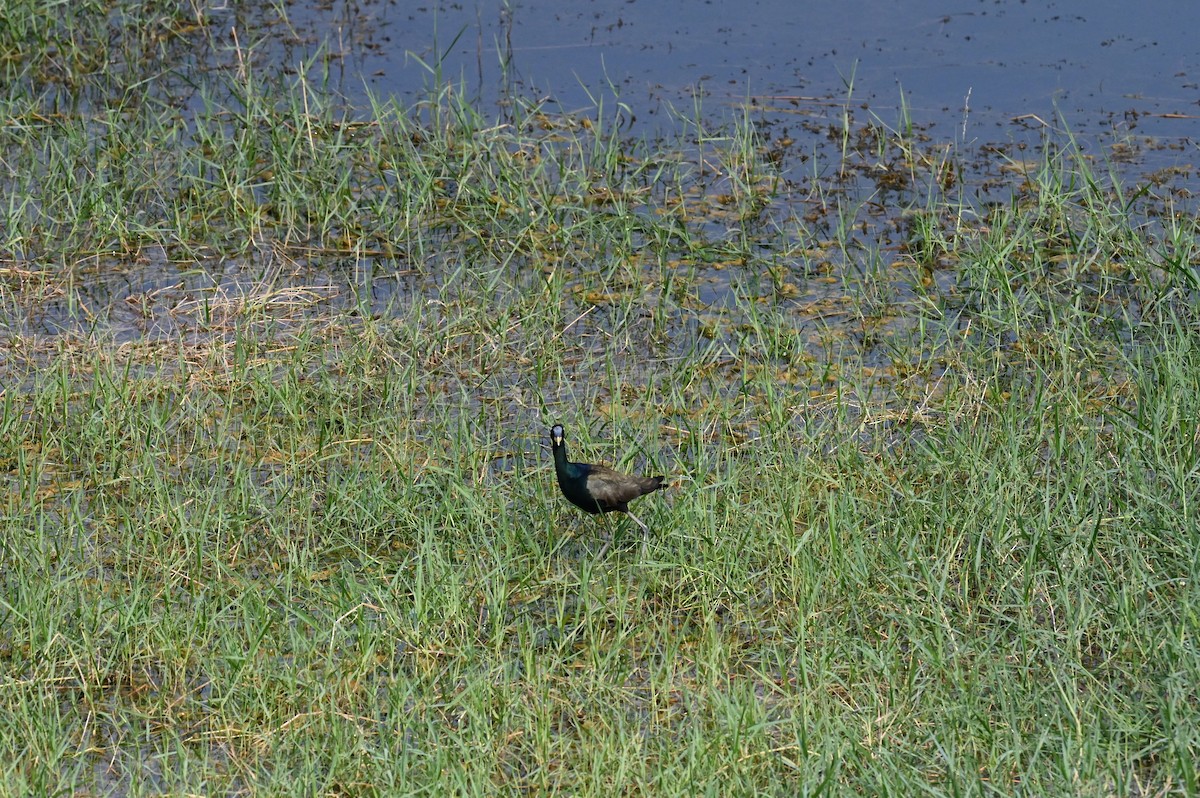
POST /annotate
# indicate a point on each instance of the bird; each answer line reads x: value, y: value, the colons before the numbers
x: 598, y: 489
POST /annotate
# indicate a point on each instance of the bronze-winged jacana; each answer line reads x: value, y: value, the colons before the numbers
x: 597, y: 488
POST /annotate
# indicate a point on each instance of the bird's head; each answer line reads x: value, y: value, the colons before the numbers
x: 556, y: 436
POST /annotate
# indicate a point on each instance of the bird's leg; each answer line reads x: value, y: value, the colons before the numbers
x: 645, y: 533
x: 608, y: 540
x: 563, y: 539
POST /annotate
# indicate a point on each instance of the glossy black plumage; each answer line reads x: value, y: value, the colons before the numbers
x: 597, y: 488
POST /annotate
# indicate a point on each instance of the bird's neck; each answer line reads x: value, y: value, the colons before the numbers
x: 562, y: 464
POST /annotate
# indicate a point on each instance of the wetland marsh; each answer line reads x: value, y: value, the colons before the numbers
x: 277, y: 369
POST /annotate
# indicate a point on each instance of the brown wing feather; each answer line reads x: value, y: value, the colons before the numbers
x: 613, y: 490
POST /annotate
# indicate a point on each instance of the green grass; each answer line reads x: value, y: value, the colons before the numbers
x: 281, y: 520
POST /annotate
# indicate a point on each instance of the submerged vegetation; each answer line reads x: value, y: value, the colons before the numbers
x: 276, y: 376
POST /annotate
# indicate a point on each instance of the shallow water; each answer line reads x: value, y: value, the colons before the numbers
x: 970, y: 71
x: 994, y: 80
